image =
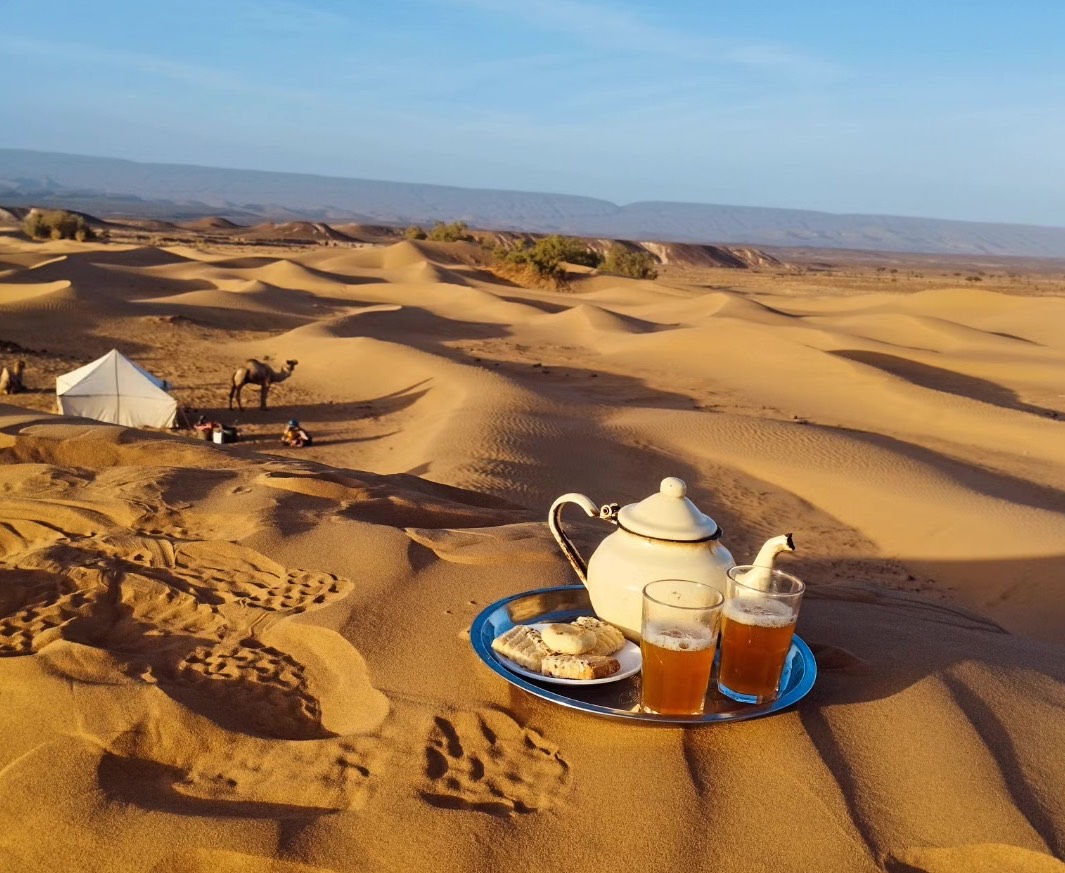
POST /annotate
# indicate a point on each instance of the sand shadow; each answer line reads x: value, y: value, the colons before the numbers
x: 947, y: 381
x: 414, y: 326
x: 310, y: 414
x: 583, y: 385
x: 423, y: 330
x: 176, y: 488
x: 224, y: 318
x: 991, y: 483
x: 872, y: 643
x: 545, y: 306
x: 856, y: 667
x: 150, y: 785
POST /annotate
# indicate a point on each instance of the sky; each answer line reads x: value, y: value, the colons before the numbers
x: 938, y: 108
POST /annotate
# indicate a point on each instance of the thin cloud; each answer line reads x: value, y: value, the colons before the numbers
x: 605, y: 25
x: 149, y: 65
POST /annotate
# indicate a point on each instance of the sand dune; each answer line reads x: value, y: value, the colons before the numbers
x: 33, y: 295
x: 583, y: 324
x: 246, y: 657
x: 254, y: 296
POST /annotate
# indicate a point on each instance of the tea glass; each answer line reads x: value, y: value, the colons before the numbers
x: 757, y: 624
x: 679, y: 631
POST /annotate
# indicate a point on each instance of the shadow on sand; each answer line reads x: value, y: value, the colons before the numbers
x: 947, y: 381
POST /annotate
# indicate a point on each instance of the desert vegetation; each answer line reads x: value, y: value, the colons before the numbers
x: 546, y: 256
x: 545, y: 261
x: 456, y: 231
x: 57, y: 224
x: 620, y: 261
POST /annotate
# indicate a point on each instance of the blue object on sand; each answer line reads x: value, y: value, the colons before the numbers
x: 621, y: 699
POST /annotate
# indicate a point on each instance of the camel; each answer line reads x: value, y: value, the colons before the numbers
x: 257, y: 373
x: 11, y: 380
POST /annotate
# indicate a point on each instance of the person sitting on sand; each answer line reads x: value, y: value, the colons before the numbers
x: 295, y: 435
x: 203, y: 428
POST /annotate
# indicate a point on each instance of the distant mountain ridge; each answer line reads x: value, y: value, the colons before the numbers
x: 111, y: 186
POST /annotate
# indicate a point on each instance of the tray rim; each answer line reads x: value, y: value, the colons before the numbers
x: 743, y: 712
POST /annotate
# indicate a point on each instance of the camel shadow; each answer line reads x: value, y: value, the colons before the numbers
x: 311, y: 415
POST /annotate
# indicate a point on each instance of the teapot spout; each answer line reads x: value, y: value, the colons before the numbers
x: 760, y: 576
x: 773, y: 547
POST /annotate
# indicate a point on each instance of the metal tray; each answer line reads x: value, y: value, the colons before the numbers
x: 619, y: 699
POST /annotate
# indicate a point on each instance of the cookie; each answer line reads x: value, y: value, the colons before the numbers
x: 522, y: 645
x: 608, y: 639
x: 579, y: 666
x: 568, y: 639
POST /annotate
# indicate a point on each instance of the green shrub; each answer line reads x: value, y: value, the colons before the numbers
x: 414, y: 232
x: 546, y: 256
x: 620, y: 261
x: 454, y: 232
x: 57, y: 224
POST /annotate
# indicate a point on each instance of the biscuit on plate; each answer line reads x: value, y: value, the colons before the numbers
x: 522, y: 645
x: 608, y: 639
x: 568, y: 639
x: 579, y: 666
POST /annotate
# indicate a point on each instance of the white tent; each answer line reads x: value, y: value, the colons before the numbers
x: 115, y: 390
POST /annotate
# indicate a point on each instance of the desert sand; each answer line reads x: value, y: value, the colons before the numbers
x: 251, y: 658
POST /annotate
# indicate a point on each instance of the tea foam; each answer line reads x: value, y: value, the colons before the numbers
x: 679, y: 637
x: 759, y: 611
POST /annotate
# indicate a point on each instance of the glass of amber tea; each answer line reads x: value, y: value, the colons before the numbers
x: 678, y: 638
x: 757, y: 624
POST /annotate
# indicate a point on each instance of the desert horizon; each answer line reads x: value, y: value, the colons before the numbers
x: 164, y: 194
x: 247, y: 656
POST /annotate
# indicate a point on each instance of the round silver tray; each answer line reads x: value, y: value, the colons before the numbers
x: 619, y: 699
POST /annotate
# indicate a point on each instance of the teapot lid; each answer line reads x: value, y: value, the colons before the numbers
x: 668, y: 515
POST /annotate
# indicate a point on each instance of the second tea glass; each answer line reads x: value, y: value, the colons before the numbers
x: 757, y: 625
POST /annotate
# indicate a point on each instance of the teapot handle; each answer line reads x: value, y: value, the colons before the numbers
x: 607, y: 512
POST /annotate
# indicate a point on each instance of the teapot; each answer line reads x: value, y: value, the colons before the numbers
x: 663, y: 536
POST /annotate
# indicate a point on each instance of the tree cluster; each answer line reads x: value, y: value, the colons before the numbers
x: 456, y: 231
x: 57, y: 224
x: 620, y: 261
x: 544, y: 260
x: 545, y: 257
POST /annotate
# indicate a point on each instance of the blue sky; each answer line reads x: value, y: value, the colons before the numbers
x: 938, y: 108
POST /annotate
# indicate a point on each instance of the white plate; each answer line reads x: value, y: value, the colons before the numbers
x: 628, y: 656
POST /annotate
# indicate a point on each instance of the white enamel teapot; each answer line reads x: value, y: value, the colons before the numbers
x: 662, y: 537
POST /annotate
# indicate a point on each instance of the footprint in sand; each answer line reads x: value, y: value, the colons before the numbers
x: 211, y: 773
x: 38, y: 609
x: 229, y: 573
x: 157, y: 607
x: 290, y: 779
x: 263, y: 689
x: 486, y: 762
